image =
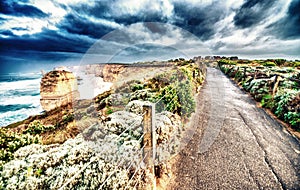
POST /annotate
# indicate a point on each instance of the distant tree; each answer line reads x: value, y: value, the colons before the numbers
x: 280, y: 62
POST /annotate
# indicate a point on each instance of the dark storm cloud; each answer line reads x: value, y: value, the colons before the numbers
x: 7, y: 33
x: 140, y: 17
x: 75, y: 24
x: 156, y: 28
x: 104, y: 10
x: 17, y: 9
x: 199, y: 21
x: 45, y: 41
x: 252, y: 12
x: 289, y: 26
x: 29, y: 61
x: 86, y: 22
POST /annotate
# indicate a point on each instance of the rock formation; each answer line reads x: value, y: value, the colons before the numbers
x: 57, y: 88
x: 111, y: 72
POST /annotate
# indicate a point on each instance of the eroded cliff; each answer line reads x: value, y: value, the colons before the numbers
x: 57, y: 88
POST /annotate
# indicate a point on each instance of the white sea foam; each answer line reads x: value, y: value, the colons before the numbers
x: 22, y: 93
x: 22, y: 84
x: 14, y: 116
x: 18, y: 100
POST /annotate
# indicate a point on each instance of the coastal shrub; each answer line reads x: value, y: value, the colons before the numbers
x: 293, y: 118
x: 267, y: 101
x: 36, y: 127
x: 175, y: 90
x: 295, y: 64
x: 186, y: 99
x: 68, y: 118
x: 239, y: 76
x: 224, y: 69
x: 280, y: 62
x: 177, y: 98
x: 188, y: 72
x: 269, y: 64
x: 164, y: 97
x: 281, y: 99
x: 284, y: 103
x: 11, y: 142
x: 109, y: 111
x: 136, y: 86
x: 226, y: 62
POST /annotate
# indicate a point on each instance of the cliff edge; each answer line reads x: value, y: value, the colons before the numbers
x: 57, y: 88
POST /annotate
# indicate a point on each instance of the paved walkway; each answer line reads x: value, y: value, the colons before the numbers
x: 235, y: 144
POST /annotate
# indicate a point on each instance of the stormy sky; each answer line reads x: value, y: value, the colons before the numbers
x: 41, y: 33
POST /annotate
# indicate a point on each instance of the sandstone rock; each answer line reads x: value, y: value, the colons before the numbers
x: 111, y: 72
x: 57, y: 88
x: 96, y: 69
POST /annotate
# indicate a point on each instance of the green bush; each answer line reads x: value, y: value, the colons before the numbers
x: 226, y: 62
x: 177, y: 98
x: 293, y: 118
x: 281, y: 99
x: 239, y: 75
x: 36, y: 127
x: 109, y: 111
x: 186, y: 99
x: 68, y: 118
x: 280, y: 62
x: 269, y: 64
x: 296, y: 64
x: 176, y: 92
x: 134, y: 87
x: 267, y: 101
x: 10, y: 142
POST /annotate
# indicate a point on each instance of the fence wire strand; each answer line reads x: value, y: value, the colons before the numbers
x: 95, y: 158
x: 136, y: 171
x: 138, y: 152
x: 168, y: 92
x: 124, y: 161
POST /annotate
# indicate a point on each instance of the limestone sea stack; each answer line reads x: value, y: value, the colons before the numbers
x: 58, y: 88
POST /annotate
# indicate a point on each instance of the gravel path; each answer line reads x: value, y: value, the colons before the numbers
x: 235, y: 145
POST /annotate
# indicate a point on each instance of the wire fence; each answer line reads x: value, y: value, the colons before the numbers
x: 135, y: 166
x: 93, y: 159
x: 138, y: 152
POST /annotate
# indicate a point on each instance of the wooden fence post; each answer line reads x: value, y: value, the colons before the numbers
x: 276, y: 83
x: 149, y: 140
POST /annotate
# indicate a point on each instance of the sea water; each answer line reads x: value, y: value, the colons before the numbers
x: 19, y: 96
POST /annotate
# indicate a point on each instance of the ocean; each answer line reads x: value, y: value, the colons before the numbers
x: 19, y: 96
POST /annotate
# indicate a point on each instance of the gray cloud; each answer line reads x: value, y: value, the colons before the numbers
x: 252, y: 12
x: 226, y: 27
x: 288, y: 27
x: 9, y: 7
